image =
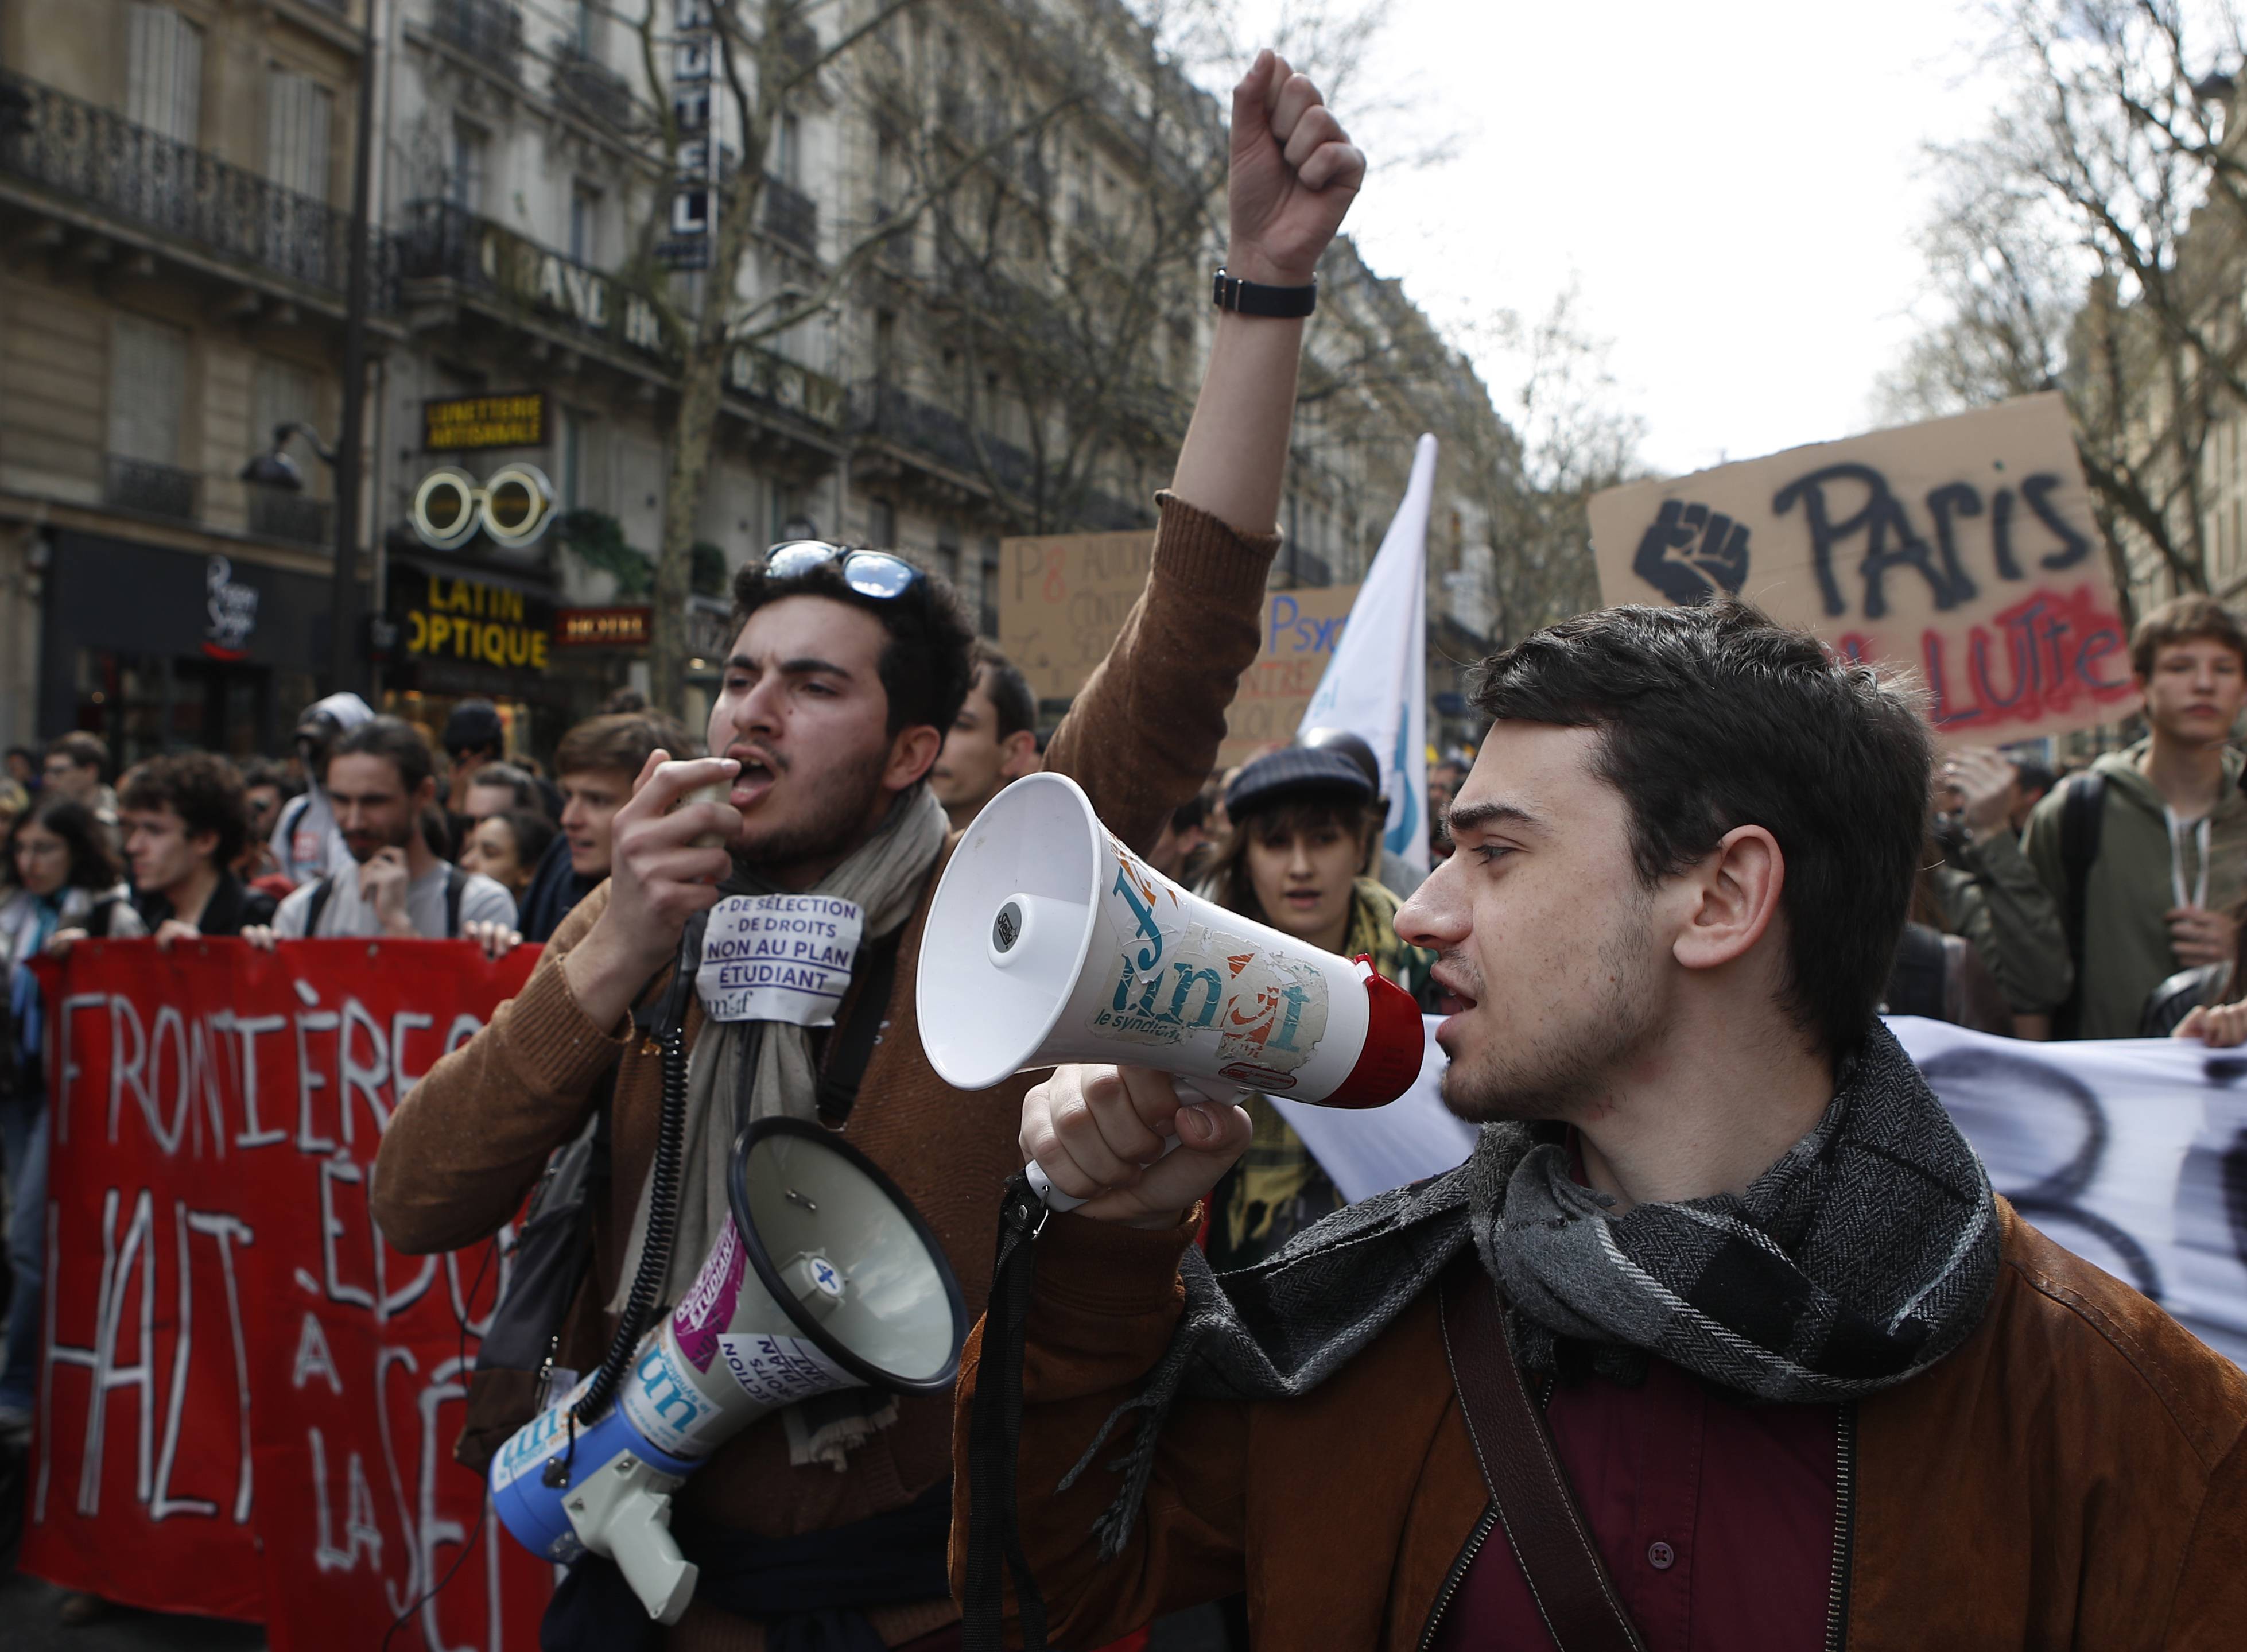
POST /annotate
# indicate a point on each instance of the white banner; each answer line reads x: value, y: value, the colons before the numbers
x: 1377, y: 684
x: 2130, y: 1152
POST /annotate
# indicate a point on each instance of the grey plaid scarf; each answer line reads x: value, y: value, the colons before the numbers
x: 1862, y: 1257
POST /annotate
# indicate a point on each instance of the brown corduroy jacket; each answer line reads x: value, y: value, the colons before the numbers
x: 2074, y: 1476
x: 465, y: 1145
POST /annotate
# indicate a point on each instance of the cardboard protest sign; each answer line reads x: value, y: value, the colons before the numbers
x: 1062, y: 599
x: 1300, y: 632
x: 1963, y: 548
x: 247, y: 1399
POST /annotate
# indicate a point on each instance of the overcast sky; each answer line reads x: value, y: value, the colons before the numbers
x: 1734, y: 187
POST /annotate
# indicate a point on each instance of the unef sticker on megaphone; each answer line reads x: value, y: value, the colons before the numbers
x: 778, y: 957
x: 1167, y: 984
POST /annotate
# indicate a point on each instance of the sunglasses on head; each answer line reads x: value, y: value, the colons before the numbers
x: 870, y: 573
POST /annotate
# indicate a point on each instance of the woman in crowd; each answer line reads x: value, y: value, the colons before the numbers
x: 1301, y: 822
x: 506, y: 847
x: 59, y: 882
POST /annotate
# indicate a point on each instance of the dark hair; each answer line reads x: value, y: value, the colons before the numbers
x: 623, y: 702
x: 83, y: 749
x: 1189, y: 815
x: 621, y: 742
x: 202, y: 790
x: 2184, y: 619
x: 1008, y: 689
x: 1714, y: 717
x: 396, y: 739
x: 1277, y: 816
x: 2035, y: 777
x: 926, y: 667
x: 516, y: 780
x: 93, y: 863
x: 261, y: 771
x: 533, y: 834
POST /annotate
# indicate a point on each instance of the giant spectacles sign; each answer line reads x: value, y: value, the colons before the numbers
x: 512, y: 508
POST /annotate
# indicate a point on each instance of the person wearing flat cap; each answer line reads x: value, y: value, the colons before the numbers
x: 1303, y: 820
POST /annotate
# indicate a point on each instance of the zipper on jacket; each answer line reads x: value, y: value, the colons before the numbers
x: 1845, y: 1521
x: 1475, y: 1540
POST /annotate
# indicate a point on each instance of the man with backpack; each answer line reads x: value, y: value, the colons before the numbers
x: 2147, y: 852
x: 381, y: 784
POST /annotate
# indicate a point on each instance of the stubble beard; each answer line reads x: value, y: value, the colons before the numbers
x: 842, y: 804
x: 1569, y: 1059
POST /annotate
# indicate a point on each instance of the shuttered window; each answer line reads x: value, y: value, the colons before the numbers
x: 148, y: 389
x: 298, y: 111
x: 163, y: 71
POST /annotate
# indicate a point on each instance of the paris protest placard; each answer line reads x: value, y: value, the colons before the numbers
x: 1963, y: 548
x: 247, y: 1400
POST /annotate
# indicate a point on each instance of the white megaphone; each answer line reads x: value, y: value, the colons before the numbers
x: 1049, y: 941
x: 824, y: 1277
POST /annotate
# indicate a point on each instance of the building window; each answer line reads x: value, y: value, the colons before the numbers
x: 585, y: 222
x: 588, y: 30
x: 947, y: 552
x: 163, y: 71
x: 882, y: 524
x: 298, y: 113
x: 466, y: 185
x: 148, y: 397
x: 788, y: 146
x: 148, y: 389
x: 571, y: 447
x: 989, y: 589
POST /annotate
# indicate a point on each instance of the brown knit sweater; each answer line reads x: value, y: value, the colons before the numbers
x: 465, y: 1145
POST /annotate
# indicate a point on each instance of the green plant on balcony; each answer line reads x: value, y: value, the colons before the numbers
x: 708, y: 577
x: 597, y: 540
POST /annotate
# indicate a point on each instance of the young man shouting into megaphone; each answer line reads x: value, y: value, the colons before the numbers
x: 1721, y: 1339
x: 847, y: 668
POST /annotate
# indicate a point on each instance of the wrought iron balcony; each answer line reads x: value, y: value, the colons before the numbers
x: 276, y: 513
x: 884, y: 410
x: 444, y: 242
x: 791, y: 216
x: 151, y: 488
x: 598, y: 93
x: 488, y: 30
x: 97, y: 158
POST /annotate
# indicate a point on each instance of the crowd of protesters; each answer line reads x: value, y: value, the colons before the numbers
x: 861, y: 727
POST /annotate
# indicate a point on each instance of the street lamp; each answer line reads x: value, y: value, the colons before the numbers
x: 273, y: 468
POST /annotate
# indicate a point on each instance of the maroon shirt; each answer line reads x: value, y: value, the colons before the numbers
x: 1715, y: 1520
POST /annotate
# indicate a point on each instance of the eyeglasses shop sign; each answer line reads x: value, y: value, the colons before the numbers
x: 442, y: 616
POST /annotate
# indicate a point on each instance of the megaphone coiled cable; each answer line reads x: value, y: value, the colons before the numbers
x: 655, y: 1249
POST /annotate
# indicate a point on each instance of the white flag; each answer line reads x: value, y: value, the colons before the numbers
x: 1377, y: 684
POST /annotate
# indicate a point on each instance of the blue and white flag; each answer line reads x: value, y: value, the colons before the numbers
x: 1377, y: 684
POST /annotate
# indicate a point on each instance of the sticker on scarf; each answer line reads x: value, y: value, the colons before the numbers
x: 780, y: 1370
x: 778, y: 957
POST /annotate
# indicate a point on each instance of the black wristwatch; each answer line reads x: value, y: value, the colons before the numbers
x: 1254, y: 298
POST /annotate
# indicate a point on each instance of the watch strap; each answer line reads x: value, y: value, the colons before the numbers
x: 1255, y: 298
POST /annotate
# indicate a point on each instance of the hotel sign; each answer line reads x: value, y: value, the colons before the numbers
x: 601, y: 628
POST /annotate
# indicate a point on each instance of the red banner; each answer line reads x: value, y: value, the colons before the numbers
x: 247, y: 1399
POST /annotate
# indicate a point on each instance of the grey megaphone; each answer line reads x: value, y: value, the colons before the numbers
x: 823, y: 1277
x: 1049, y: 941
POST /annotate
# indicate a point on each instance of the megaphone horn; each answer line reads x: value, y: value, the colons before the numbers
x: 1049, y: 941
x: 823, y: 1277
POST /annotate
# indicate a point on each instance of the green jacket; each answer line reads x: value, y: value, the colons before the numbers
x: 1992, y: 896
x: 2126, y: 944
